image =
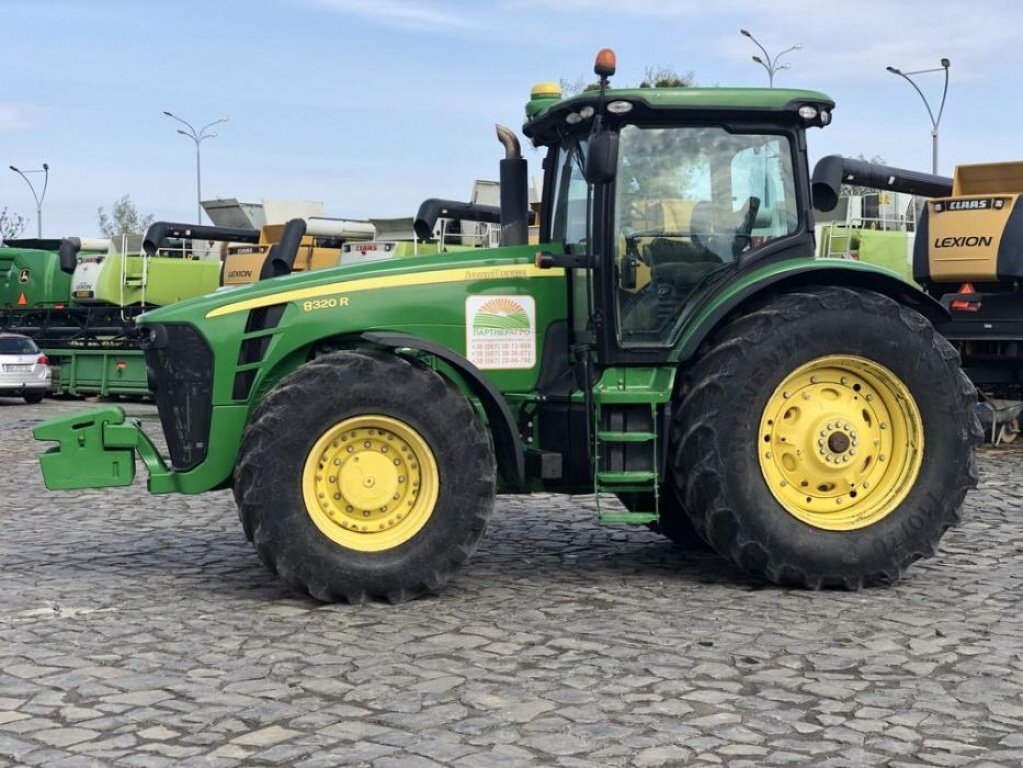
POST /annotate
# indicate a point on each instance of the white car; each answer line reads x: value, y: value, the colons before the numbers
x: 24, y: 369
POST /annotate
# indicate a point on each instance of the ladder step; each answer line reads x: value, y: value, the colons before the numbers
x: 628, y: 477
x: 626, y: 437
x: 644, y: 488
x: 628, y: 517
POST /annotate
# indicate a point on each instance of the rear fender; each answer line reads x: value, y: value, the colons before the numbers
x: 730, y: 299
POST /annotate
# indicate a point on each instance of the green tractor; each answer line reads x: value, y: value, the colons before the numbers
x: 671, y: 341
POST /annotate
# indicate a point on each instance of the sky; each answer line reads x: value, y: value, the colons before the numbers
x: 370, y: 106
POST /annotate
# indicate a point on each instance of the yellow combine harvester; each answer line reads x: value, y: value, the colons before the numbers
x: 967, y: 254
x: 319, y: 248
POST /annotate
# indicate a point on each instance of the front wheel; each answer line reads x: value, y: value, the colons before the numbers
x: 825, y: 439
x: 34, y: 398
x: 362, y: 476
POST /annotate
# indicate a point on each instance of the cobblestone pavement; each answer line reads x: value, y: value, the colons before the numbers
x: 142, y: 631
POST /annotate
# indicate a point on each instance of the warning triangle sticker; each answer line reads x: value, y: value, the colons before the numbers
x: 22, y: 301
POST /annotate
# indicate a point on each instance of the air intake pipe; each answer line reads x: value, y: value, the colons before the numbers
x: 161, y: 230
x: 515, y: 211
x: 281, y: 259
x: 833, y: 171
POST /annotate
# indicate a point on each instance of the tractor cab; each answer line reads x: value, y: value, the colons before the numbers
x: 659, y: 194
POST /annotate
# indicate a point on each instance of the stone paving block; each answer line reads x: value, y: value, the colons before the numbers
x: 561, y: 643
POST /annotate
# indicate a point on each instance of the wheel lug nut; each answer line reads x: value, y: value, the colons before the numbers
x: 870, y: 398
x: 852, y: 451
x: 884, y: 425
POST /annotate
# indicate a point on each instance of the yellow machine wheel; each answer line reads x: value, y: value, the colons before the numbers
x: 365, y: 476
x: 370, y: 483
x: 841, y: 442
x: 824, y: 438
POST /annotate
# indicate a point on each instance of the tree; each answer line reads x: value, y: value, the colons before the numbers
x: 665, y: 77
x: 124, y: 219
x: 654, y: 77
x: 11, y: 225
x: 855, y: 189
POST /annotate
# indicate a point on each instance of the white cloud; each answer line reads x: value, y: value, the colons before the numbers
x: 15, y: 117
x: 402, y: 13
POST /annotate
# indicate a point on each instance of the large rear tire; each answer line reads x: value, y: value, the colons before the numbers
x: 825, y: 439
x: 365, y: 476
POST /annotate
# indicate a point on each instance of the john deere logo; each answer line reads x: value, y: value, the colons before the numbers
x: 24, y: 275
x: 501, y: 331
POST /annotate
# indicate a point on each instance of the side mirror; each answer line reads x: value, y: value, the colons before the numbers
x: 601, y: 157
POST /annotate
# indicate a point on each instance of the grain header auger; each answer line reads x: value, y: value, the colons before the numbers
x: 671, y: 341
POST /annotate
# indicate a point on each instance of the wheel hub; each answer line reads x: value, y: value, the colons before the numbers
x: 842, y: 442
x: 370, y: 483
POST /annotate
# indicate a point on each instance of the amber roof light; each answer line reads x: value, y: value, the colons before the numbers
x: 605, y: 64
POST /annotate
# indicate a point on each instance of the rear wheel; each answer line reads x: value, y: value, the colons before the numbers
x: 351, y: 487
x: 32, y: 398
x: 825, y: 439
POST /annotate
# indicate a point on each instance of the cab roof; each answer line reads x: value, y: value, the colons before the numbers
x: 546, y: 116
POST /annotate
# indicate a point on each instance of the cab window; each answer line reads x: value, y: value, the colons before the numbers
x: 689, y: 202
x: 568, y: 224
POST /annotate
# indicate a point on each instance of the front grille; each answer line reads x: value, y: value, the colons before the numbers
x: 181, y: 362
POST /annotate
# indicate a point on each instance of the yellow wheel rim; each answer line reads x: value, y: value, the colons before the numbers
x: 841, y: 443
x: 370, y: 483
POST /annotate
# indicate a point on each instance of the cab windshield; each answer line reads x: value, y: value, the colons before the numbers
x: 689, y: 202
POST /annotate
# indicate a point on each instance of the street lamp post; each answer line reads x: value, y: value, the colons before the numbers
x: 45, y: 170
x: 197, y: 137
x: 771, y: 63
x: 935, y: 121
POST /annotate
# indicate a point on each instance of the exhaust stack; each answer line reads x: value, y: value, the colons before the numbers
x: 515, y: 211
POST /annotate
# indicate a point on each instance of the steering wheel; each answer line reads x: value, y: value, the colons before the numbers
x: 747, y: 220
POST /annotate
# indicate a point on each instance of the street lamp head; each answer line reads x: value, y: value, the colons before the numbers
x: 183, y: 133
x: 894, y: 70
x: 46, y: 166
x: 13, y: 169
x: 168, y: 113
x: 745, y: 33
x: 946, y: 63
x: 758, y: 60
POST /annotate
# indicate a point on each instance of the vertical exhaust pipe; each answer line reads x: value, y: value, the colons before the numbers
x: 514, y: 191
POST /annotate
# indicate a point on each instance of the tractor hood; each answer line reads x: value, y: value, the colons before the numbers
x: 302, y: 286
